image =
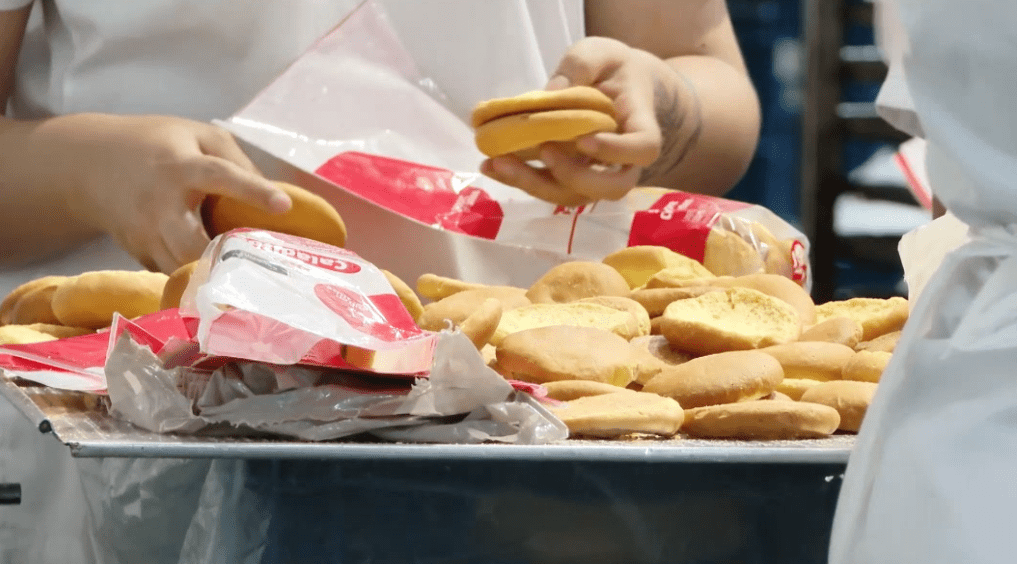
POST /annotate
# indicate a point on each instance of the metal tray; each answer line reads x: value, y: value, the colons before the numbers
x: 89, y: 431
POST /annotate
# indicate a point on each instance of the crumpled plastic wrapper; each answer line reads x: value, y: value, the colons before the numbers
x: 462, y: 401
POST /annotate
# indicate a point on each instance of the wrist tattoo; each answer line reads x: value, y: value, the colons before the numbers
x: 674, y: 120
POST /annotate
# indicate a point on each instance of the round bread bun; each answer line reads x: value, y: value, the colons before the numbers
x: 811, y: 360
x: 575, y: 314
x: 762, y: 420
x: 12, y: 298
x: 622, y: 413
x: 842, y: 330
x: 572, y: 98
x: 90, y: 299
x: 35, y: 305
x: 629, y: 305
x: 719, y: 378
x: 22, y: 335
x: 850, y: 399
x: 658, y: 346
x: 656, y: 300
x: 457, y: 307
x: 882, y: 343
x: 576, y: 280
x: 568, y: 390
x: 59, y: 331
x: 175, y: 286
x: 434, y: 287
x: 480, y: 325
x: 558, y: 352
x: 311, y: 216
x: 406, y: 294
x: 727, y: 253
x: 690, y: 273
x: 795, y: 387
x: 877, y: 316
x: 514, y: 133
x: 783, y: 289
x: 866, y: 366
x: 734, y: 319
x: 639, y: 263
x: 777, y: 396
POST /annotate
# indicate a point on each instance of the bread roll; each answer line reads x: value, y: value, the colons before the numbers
x: 177, y: 282
x: 568, y: 390
x: 10, y: 301
x: 22, y: 335
x: 480, y: 325
x: 576, y: 314
x: 35, y: 302
x: 850, y: 399
x: 576, y: 280
x: 639, y: 263
x: 762, y: 420
x: 311, y: 216
x: 719, y: 378
x: 548, y: 354
x: 435, y: 288
x: 662, y: 350
x: 735, y: 319
x: 877, y: 316
x: 841, y: 330
x: 727, y: 253
x: 814, y: 360
x: 882, y: 343
x: 656, y: 300
x: 689, y: 274
x: 457, y: 307
x: 572, y: 98
x: 866, y: 366
x: 59, y: 331
x: 90, y: 299
x: 629, y: 305
x: 795, y: 387
x: 621, y: 413
x: 779, y: 287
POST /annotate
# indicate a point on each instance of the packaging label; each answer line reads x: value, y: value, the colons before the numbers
x: 681, y: 222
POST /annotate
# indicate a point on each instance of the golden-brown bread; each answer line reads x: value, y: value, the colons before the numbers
x: 727, y: 253
x: 777, y: 396
x: 406, y: 294
x: 877, y: 316
x: 514, y: 133
x: 629, y: 305
x: 850, y: 399
x: 12, y: 298
x: 90, y: 299
x: 842, y: 330
x: 882, y: 343
x: 575, y: 314
x: 621, y: 413
x: 59, y: 331
x: 662, y: 350
x: 547, y: 354
x: 457, y: 307
x: 489, y: 354
x: 576, y: 280
x: 36, y: 304
x: 311, y: 216
x: 795, y: 387
x: 782, y: 288
x: 811, y: 360
x: 175, y: 286
x: 735, y: 319
x: 480, y: 325
x: 22, y: 335
x: 656, y: 300
x: 639, y: 263
x: 762, y: 420
x: 866, y: 366
x: 572, y: 98
x: 719, y: 378
x: 434, y: 287
x: 568, y: 390
x: 691, y: 273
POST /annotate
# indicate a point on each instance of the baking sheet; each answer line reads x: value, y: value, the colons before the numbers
x: 91, y: 432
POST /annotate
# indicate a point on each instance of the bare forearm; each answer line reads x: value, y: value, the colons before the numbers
x: 37, y: 220
x: 710, y: 118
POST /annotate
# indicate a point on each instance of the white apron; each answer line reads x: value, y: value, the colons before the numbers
x: 932, y: 476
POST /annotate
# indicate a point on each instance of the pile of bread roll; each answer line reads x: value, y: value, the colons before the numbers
x: 650, y: 342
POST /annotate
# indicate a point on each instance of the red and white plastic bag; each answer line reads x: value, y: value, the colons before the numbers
x: 369, y: 121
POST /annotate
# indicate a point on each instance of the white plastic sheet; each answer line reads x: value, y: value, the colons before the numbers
x: 932, y: 475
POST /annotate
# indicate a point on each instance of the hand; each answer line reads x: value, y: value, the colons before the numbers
x: 143, y: 178
x: 603, y: 165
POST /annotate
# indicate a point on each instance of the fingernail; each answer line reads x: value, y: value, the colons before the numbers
x: 280, y: 202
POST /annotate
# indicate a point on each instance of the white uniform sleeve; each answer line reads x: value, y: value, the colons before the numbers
x: 13, y: 4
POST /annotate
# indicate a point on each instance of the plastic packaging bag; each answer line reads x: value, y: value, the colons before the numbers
x: 400, y: 164
x: 931, y: 478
